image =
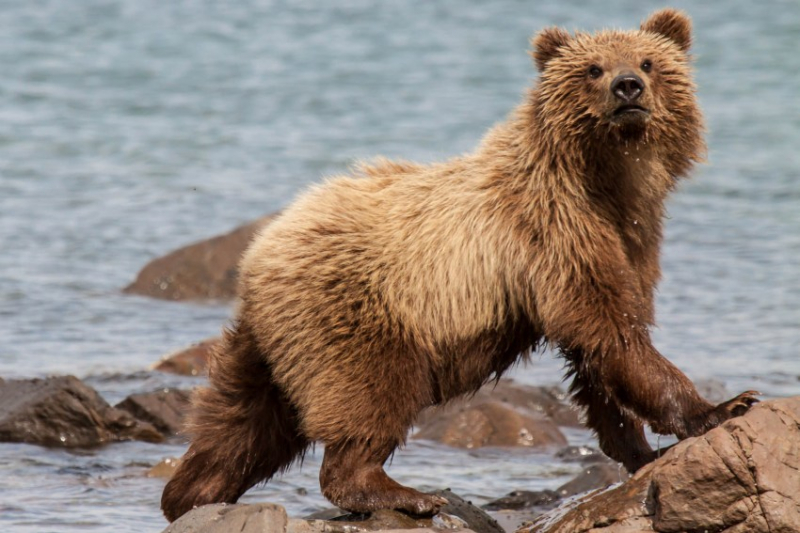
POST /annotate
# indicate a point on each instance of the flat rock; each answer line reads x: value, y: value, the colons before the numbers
x: 224, y: 518
x: 742, y: 477
x: 65, y: 412
x: 204, y: 270
x: 271, y: 518
x: 164, y: 409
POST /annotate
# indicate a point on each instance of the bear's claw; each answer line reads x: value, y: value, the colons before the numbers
x: 740, y: 404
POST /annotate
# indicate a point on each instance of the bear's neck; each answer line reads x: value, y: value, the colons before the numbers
x: 536, y: 155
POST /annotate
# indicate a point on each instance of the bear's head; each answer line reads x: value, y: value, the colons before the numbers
x: 620, y: 85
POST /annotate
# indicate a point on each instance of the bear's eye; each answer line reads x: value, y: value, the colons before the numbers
x: 647, y: 65
x: 595, y: 72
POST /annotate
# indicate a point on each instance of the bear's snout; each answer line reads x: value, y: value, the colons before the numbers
x: 627, y: 87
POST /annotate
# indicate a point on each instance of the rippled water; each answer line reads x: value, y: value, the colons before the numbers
x: 130, y: 128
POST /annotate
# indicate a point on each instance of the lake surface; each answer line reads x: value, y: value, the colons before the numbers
x: 130, y: 128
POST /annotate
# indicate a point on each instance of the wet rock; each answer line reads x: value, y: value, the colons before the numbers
x: 475, y: 518
x: 223, y: 518
x: 63, y: 411
x: 191, y: 361
x: 204, y: 270
x: 492, y: 423
x: 524, y: 499
x: 581, y: 454
x: 596, y: 476
x: 165, y: 468
x: 458, y: 515
x: 742, y: 477
x: 164, y: 409
x: 377, y: 521
x: 511, y: 520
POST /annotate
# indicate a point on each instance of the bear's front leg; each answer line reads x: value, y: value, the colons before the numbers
x: 352, y: 478
x: 588, y: 299
x: 620, y: 435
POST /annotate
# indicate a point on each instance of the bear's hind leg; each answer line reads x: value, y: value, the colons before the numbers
x: 352, y: 478
x: 243, y: 430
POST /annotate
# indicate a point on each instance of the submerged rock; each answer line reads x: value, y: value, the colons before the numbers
x: 63, y: 411
x: 164, y: 468
x: 204, y: 270
x: 742, y: 477
x: 191, y: 361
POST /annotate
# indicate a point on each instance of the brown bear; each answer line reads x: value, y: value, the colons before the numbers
x: 404, y: 286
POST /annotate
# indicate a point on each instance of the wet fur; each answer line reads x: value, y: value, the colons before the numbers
x: 402, y: 286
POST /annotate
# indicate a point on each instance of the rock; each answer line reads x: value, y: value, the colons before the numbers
x: 742, y: 477
x: 491, y: 423
x: 164, y: 409
x: 522, y: 505
x: 551, y: 402
x: 165, y: 468
x: 548, y: 406
x: 223, y: 518
x: 524, y: 499
x: 63, y: 411
x: 475, y: 518
x: 191, y: 361
x: 596, y: 476
x: 204, y: 270
x: 377, y: 521
x: 458, y: 514
x: 271, y: 518
x: 581, y: 454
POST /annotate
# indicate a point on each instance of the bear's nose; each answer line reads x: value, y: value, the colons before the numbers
x: 627, y: 87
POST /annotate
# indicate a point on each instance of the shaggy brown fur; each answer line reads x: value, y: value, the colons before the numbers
x: 375, y: 296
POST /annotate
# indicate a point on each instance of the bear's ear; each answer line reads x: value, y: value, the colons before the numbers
x: 673, y: 24
x: 546, y: 45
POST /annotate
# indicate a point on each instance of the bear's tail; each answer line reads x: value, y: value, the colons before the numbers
x: 243, y: 430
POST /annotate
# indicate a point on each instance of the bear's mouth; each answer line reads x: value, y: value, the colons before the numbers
x: 630, y: 108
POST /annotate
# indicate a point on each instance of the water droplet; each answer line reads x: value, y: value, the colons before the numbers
x: 626, y: 152
x: 624, y: 314
x: 622, y: 424
x: 62, y: 438
x: 635, y: 222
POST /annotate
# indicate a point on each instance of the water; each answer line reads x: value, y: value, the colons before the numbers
x: 128, y: 129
